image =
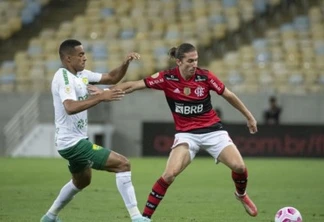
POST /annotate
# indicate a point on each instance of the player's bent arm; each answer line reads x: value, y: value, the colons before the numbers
x: 237, y: 103
x: 74, y: 107
x: 115, y: 75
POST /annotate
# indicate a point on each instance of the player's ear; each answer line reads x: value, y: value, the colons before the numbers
x: 178, y: 61
x: 68, y: 58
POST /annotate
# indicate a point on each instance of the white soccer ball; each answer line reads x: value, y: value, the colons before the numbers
x: 288, y: 214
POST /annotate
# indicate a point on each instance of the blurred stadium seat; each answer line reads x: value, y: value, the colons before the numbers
x: 20, y: 13
x: 288, y: 55
x: 287, y: 59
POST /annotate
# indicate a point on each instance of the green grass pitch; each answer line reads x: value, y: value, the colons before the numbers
x: 203, y: 193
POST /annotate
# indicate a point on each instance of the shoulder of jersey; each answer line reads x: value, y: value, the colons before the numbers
x: 170, y: 75
x: 202, y: 71
x: 201, y: 75
x: 168, y: 71
x: 84, y: 72
x: 58, y: 73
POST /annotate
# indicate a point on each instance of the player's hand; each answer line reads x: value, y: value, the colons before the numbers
x: 128, y: 89
x: 132, y: 56
x: 252, y: 125
x: 112, y: 95
x: 94, y: 90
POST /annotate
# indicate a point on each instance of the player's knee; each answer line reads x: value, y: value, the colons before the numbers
x: 82, y: 183
x: 86, y: 182
x: 169, y: 177
x: 125, y: 165
x: 239, y: 167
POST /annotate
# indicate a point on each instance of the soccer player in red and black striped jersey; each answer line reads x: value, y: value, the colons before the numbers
x: 187, y: 90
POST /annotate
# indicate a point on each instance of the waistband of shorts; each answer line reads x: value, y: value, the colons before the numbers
x: 215, y: 127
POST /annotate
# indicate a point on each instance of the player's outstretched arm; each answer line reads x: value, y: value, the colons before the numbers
x: 126, y: 87
x: 73, y: 106
x: 239, y: 105
x: 131, y: 86
x: 115, y: 75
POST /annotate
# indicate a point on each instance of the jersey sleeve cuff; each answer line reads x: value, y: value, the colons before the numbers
x: 147, y: 85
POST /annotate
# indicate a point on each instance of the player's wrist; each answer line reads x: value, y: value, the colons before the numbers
x: 126, y: 62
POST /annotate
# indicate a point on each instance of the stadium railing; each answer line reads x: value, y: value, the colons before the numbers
x: 21, y: 124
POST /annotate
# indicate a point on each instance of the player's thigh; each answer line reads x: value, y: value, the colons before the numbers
x: 231, y: 157
x: 85, y: 155
x: 179, y: 159
x: 191, y: 142
x: 215, y: 142
x: 117, y: 163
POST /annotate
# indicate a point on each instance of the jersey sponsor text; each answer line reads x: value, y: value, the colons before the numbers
x: 188, y: 110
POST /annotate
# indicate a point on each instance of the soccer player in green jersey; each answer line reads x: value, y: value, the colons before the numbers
x: 71, y: 101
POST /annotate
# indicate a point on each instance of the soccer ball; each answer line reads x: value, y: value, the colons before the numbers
x: 288, y: 214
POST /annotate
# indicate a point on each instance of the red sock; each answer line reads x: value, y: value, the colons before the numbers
x: 158, y: 191
x: 240, y: 180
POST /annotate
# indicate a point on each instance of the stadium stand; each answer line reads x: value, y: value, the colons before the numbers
x: 282, y: 56
x: 20, y: 13
x: 32, y: 41
x: 286, y: 59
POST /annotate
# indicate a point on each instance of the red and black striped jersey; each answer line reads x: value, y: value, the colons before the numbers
x: 189, y: 100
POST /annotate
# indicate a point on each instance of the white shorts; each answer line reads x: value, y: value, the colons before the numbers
x: 213, y: 142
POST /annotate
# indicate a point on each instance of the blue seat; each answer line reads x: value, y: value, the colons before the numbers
x: 8, y: 78
x: 99, y: 50
x: 229, y: 3
x: 260, y: 6
x: 52, y: 65
x: 320, y: 50
x: 216, y: 19
x: 296, y: 79
x: 26, y: 17
x: 185, y: 5
x: 319, y: 47
x: 234, y: 77
x: 321, y: 79
x: 8, y: 65
x: 100, y: 66
x: 264, y: 56
x: 301, y: 23
x: 32, y: 9
x: 287, y: 27
x: 160, y: 51
x: 107, y: 12
x: 127, y: 34
x: 260, y: 44
x: 34, y: 50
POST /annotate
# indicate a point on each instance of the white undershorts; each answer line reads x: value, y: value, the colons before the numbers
x: 213, y: 142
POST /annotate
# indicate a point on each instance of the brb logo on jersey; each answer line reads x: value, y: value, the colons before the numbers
x: 188, y: 109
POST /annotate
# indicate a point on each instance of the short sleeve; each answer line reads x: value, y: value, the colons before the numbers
x: 155, y: 81
x: 90, y: 77
x: 215, y: 83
